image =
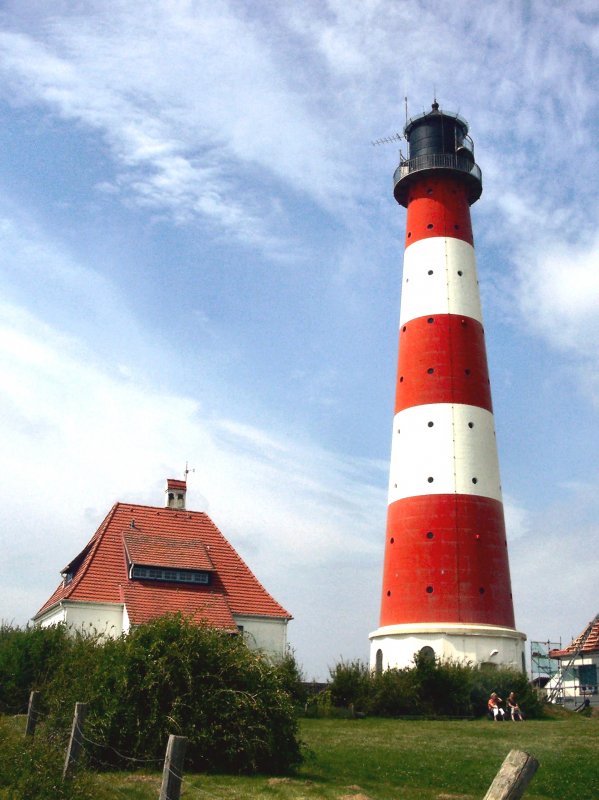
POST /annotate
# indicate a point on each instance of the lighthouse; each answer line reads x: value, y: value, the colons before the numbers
x: 446, y: 582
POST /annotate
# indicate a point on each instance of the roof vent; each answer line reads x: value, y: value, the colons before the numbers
x: 174, y: 494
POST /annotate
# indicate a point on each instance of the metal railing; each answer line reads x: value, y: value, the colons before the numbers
x: 436, y: 161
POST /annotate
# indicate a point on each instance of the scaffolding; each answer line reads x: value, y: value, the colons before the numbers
x: 542, y: 667
x: 581, y: 680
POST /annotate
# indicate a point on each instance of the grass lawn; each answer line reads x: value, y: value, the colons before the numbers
x: 384, y: 759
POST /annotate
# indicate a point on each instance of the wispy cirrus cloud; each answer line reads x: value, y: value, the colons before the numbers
x: 189, y: 119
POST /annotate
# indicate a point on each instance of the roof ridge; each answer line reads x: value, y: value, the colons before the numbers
x: 244, y: 563
x: 585, y: 642
x: 98, y: 536
x: 93, y: 545
x: 165, y: 509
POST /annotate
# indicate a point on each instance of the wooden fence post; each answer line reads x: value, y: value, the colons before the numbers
x: 172, y: 775
x: 513, y: 777
x: 32, y: 713
x: 76, y: 740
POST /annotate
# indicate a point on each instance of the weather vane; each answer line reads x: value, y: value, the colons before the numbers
x: 188, y: 470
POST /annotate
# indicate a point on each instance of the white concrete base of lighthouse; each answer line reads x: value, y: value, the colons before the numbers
x: 394, y: 646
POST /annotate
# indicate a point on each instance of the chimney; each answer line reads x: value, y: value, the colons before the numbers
x: 174, y: 494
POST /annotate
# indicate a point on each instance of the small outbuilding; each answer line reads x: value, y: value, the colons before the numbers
x: 575, y: 682
x: 144, y: 562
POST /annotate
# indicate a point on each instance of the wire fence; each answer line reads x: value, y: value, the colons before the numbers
x: 79, y: 742
x: 509, y: 784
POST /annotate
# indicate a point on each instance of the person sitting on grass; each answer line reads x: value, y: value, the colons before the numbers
x: 494, y: 708
x: 514, y: 708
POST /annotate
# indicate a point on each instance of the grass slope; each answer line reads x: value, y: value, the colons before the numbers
x: 385, y: 759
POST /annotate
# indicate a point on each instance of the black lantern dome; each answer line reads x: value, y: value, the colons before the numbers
x: 438, y: 140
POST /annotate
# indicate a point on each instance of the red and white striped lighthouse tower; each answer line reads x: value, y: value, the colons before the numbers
x: 446, y: 581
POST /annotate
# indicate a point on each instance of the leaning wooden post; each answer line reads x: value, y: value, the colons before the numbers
x: 76, y: 740
x: 32, y: 713
x: 513, y: 777
x: 172, y: 775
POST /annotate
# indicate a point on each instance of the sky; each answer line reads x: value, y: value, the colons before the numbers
x: 200, y: 260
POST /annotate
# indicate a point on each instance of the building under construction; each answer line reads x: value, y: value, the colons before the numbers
x: 569, y: 674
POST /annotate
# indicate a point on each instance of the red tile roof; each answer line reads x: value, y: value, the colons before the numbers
x: 101, y: 571
x: 145, y: 602
x: 166, y: 551
x: 590, y: 645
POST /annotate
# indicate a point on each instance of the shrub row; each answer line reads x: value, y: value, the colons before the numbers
x: 167, y: 677
x: 430, y: 688
x: 28, y: 658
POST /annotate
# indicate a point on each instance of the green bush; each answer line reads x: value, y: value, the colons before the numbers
x: 31, y: 769
x: 443, y: 687
x: 351, y: 684
x: 292, y: 679
x: 394, y: 693
x: 432, y: 687
x: 171, y: 676
x: 28, y: 656
x: 503, y: 681
x: 319, y: 704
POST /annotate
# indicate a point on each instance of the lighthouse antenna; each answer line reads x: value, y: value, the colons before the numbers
x: 395, y: 137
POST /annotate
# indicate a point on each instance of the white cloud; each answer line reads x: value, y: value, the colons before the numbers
x: 554, y: 566
x: 556, y: 293
x: 189, y: 119
x: 517, y: 519
x: 559, y: 292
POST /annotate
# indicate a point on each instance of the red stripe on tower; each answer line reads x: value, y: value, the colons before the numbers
x: 446, y: 581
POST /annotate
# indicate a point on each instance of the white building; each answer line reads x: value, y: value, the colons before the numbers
x: 144, y: 562
x: 576, y: 679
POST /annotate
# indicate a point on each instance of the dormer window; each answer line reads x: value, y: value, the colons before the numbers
x: 69, y: 572
x: 167, y: 559
x: 169, y: 574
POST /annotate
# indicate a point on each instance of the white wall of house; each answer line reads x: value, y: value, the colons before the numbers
x: 268, y: 634
x: 105, y: 619
x: 264, y: 633
x: 126, y: 620
x: 580, y: 680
